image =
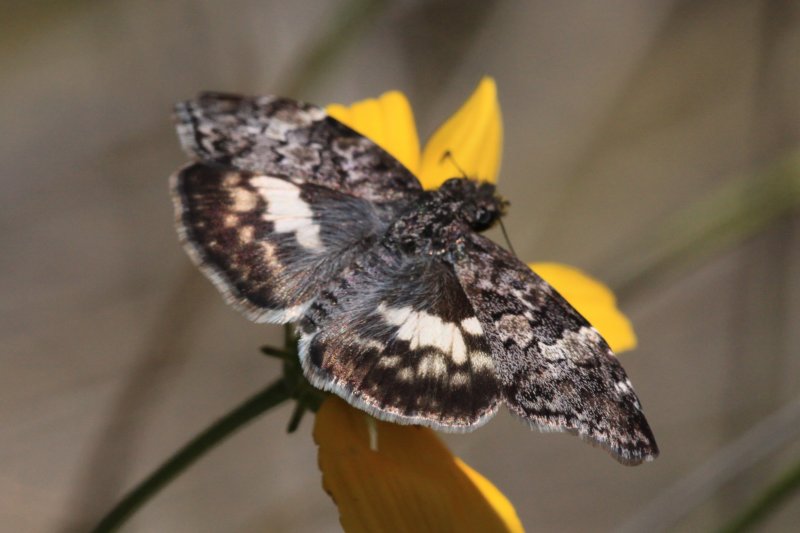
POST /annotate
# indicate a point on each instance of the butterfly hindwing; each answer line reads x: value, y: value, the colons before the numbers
x: 280, y: 136
x: 266, y: 242
x: 555, y: 370
x: 396, y: 335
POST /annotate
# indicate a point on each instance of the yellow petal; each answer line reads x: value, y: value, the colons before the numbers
x: 410, y: 482
x: 501, y: 505
x: 593, y: 300
x: 388, y: 121
x: 474, y: 138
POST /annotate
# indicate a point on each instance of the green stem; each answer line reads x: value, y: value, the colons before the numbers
x: 297, y: 416
x: 284, y: 355
x: 191, y: 452
x: 775, y: 495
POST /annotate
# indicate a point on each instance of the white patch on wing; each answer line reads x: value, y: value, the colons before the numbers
x: 246, y: 234
x: 481, y: 361
x: 269, y: 254
x: 514, y: 327
x: 371, y: 344
x: 405, y: 374
x: 243, y: 199
x: 389, y: 361
x: 277, y: 128
x: 231, y: 180
x: 422, y: 329
x: 394, y: 316
x: 459, y: 379
x: 458, y: 349
x: 282, y: 316
x: 574, y: 345
x: 472, y: 326
x: 287, y: 211
x: 523, y: 298
x: 624, y: 386
x: 432, y: 365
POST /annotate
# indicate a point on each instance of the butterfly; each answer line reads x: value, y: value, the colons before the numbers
x: 403, y: 307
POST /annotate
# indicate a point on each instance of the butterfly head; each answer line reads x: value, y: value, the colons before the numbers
x: 476, y: 203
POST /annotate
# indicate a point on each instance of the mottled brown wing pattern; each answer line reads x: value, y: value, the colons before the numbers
x: 555, y: 370
x: 267, y: 243
x: 396, y: 336
x: 279, y: 136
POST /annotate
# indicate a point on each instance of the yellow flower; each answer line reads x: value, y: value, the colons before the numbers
x: 474, y: 135
x: 402, y: 478
x: 410, y: 481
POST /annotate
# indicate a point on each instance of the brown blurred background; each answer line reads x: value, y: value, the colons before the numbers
x: 639, y: 141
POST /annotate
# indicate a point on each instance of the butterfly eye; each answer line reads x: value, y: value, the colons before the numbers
x: 483, y: 219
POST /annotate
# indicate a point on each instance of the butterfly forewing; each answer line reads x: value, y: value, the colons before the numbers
x: 266, y: 242
x: 280, y: 136
x: 556, y: 371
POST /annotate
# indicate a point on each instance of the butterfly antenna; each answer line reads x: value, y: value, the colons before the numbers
x: 505, y: 234
x: 449, y: 155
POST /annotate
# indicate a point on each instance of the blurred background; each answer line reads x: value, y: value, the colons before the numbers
x: 651, y: 143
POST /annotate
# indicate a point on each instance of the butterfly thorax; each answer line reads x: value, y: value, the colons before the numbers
x: 433, y: 225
